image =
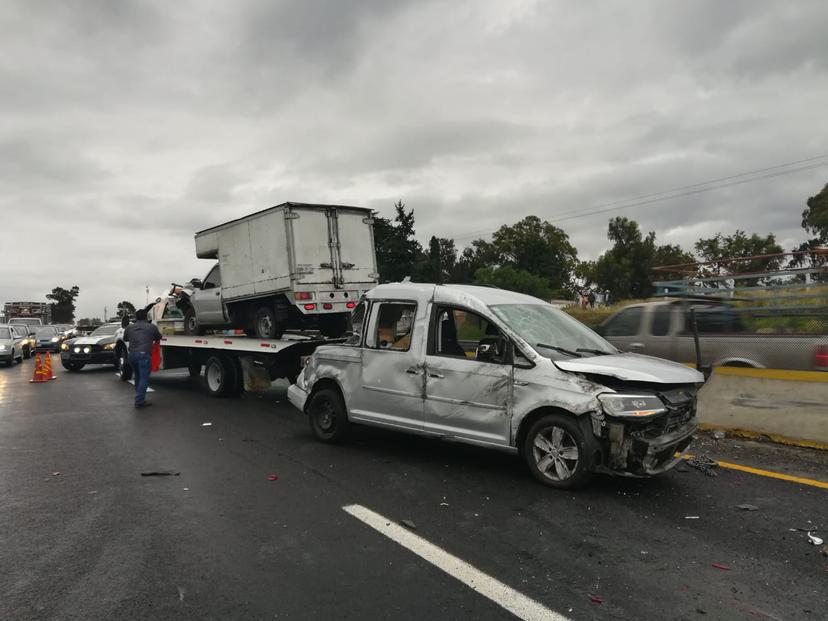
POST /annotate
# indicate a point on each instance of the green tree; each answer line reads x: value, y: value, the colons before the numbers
x: 815, y: 216
x: 125, y: 309
x: 537, y: 247
x: 63, y: 304
x: 719, y: 251
x: 513, y: 279
x: 439, y: 261
x: 398, y: 252
x: 480, y: 254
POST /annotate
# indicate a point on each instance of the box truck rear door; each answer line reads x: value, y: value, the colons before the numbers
x: 311, y: 244
x: 356, y: 247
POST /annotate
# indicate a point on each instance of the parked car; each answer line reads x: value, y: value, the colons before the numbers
x: 12, y: 344
x: 663, y: 329
x: 502, y: 370
x: 47, y: 338
x: 97, y: 348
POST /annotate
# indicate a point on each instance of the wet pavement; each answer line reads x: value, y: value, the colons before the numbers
x: 84, y: 536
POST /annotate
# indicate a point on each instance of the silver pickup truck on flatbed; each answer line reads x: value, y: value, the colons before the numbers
x: 502, y: 370
x: 663, y: 329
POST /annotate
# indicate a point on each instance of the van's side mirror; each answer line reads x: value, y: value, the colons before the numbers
x: 196, y: 283
x: 491, y: 349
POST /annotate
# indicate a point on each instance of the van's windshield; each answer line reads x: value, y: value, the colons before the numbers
x: 552, y: 333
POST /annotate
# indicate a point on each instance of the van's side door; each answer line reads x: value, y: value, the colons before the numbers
x: 391, y: 389
x: 468, y: 378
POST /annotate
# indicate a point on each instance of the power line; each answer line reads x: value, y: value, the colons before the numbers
x: 697, y: 188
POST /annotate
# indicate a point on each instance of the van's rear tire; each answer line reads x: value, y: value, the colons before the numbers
x: 265, y: 325
x: 220, y: 376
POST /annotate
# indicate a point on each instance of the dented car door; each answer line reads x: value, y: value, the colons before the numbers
x: 468, y: 378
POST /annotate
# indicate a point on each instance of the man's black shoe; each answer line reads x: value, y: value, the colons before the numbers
x: 145, y: 404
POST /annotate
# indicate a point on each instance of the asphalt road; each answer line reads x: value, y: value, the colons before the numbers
x: 84, y: 536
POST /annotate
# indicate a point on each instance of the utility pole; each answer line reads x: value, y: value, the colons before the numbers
x: 105, y: 315
x: 147, y: 286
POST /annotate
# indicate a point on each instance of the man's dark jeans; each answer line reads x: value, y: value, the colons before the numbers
x: 140, y: 363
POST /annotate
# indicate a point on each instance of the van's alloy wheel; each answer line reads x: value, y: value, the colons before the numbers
x: 556, y: 452
x: 327, y: 416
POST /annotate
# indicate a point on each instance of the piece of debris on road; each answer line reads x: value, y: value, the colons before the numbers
x: 704, y: 464
x: 409, y: 524
x: 747, y: 507
x: 160, y: 473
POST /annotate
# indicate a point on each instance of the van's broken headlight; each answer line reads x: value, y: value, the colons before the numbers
x: 631, y: 406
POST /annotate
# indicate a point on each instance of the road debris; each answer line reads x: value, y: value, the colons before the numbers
x: 824, y: 550
x: 719, y: 435
x: 160, y: 473
x: 444, y: 504
x: 56, y: 474
x: 409, y: 524
x: 691, y: 517
x: 747, y: 507
x: 272, y: 477
x: 596, y: 599
x: 720, y: 566
x: 817, y: 541
x: 206, y: 424
x: 704, y: 464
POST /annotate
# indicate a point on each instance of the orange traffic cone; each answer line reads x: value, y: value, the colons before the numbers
x: 47, y: 368
x: 38, y: 372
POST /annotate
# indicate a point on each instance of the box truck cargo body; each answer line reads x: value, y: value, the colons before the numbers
x: 295, y: 265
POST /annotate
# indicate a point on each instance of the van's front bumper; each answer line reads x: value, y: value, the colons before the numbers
x: 631, y: 452
x: 297, y: 397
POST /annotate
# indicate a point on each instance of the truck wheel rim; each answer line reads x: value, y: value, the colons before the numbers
x: 192, y: 323
x: 556, y: 453
x: 214, y: 377
x: 265, y: 325
x: 325, y: 416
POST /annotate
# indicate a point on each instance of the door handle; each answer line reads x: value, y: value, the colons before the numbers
x: 412, y: 371
x: 636, y: 346
x: 520, y: 383
x: 435, y: 375
x: 218, y: 292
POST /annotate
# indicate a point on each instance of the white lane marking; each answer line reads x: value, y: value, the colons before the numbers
x: 503, y: 595
x: 132, y: 381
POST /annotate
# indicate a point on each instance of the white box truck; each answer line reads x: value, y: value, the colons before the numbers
x: 292, y: 266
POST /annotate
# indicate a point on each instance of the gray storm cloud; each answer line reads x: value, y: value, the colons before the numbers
x: 128, y: 126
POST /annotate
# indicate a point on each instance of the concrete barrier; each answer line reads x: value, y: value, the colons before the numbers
x: 784, y: 405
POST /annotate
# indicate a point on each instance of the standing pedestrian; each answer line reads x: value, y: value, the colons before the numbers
x: 141, y: 335
x: 591, y: 298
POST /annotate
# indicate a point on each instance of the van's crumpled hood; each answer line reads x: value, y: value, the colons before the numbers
x: 633, y: 368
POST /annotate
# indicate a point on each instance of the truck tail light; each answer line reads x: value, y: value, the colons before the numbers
x: 327, y: 306
x: 310, y: 306
x: 350, y: 304
x: 302, y: 295
x: 821, y: 356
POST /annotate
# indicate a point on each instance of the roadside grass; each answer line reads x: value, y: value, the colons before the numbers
x: 593, y: 317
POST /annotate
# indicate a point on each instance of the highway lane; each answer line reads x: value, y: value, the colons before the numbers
x: 222, y: 541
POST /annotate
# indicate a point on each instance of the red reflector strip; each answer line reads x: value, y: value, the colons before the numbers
x: 199, y: 341
x: 310, y: 306
x: 327, y: 306
x: 350, y: 305
x: 228, y: 342
x: 302, y: 295
x: 264, y: 345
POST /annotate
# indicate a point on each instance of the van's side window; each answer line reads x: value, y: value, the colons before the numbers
x: 462, y: 334
x: 356, y: 325
x: 394, y: 324
x: 213, y: 279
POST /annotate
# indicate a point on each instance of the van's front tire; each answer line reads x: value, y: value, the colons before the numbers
x: 328, y: 416
x: 556, y: 452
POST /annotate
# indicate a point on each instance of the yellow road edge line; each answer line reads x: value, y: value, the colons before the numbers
x: 759, y: 435
x: 775, y: 374
x: 766, y: 473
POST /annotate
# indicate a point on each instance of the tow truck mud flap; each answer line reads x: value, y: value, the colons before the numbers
x: 256, y: 375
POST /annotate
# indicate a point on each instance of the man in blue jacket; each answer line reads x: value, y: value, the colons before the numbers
x: 141, y: 335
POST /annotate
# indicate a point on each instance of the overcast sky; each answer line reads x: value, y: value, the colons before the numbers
x: 127, y: 126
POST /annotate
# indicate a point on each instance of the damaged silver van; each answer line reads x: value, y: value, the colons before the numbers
x: 503, y: 370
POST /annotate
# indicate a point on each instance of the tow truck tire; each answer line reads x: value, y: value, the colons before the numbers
x: 328, y: 416
x: 122, y: 364
x: 556, y: 452
x: 72, y: 366
x: 220, y: 378
x: 192, y: 327
x: 265, y: 324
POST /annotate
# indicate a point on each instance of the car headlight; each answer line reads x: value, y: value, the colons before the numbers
x: 2, y: 347
x: 631, y: 406
x: 109, y: 346
x: 55, y: 339
x: 64, y: 346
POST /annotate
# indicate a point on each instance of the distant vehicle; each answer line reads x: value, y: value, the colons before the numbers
x: 47, y: 338
x: 26, y: 333
x: 501, y: 370
x: 27, y: 321
x: 12, y: 344
x: 663, y: 329
x: 97, y: 348
x: 67, y: 330
x: 293, y: 266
